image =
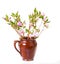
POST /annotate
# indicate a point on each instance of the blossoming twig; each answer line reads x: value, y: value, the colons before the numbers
x: 20, y: 26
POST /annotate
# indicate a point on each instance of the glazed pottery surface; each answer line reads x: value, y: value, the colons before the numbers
x: 27, y: 47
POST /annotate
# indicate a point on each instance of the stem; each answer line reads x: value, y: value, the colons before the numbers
x: 29, y: 30
x: 18, y: 33
x: 41, y: 31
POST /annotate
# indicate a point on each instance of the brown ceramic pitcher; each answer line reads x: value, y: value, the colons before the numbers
x: 27, y: 47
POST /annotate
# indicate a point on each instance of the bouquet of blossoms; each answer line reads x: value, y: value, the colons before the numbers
x: 36, y: 24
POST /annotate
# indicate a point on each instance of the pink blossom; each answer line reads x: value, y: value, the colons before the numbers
x: 4, y: 18
x: 31, y: 24
x: 19, y: 23
x: 35, y: 34
x: 21, y: 32
x: 46, y: 25
x: 42, y: 14
x: 10, y: 18
x: 31, y: 35
x: 44, y: 19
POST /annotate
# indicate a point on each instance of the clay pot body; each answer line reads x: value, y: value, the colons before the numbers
x: 27, y: 47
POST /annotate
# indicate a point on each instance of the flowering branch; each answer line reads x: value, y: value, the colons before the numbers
x: 20, y: 26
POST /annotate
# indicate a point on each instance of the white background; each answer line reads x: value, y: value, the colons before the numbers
x: 48, y: 50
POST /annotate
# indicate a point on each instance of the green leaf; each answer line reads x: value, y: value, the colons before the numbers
x: 41, y: 16
x: 13, y: 15
x: 11, y: 23
x: 34, y: 27
x: 38, y: 30
x: 7, y: 18
x: 18, y: 18
x: 32, y: 31
x: 35, y: 10
x: 48, y: 21
x: 39, y: 13
x: 27, y: 30
x: 24, y: 26
x: 17, y: 14
x: 30, y: 16
x: 15, y: 22
x: 18, y: 28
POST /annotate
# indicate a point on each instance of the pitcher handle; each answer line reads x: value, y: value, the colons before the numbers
x: 15, y: 42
